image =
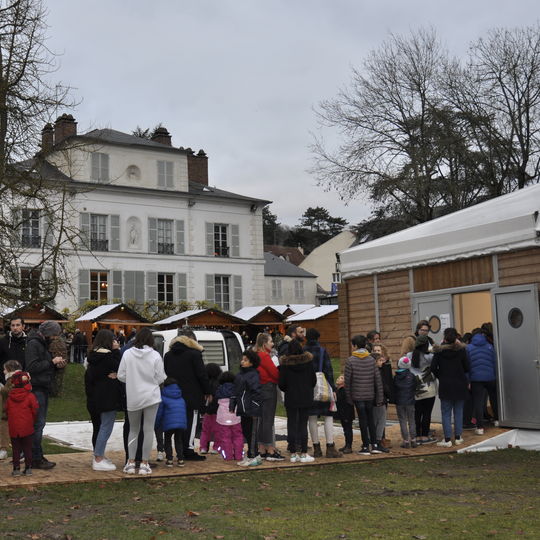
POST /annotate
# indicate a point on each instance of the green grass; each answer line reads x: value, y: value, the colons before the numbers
x: 71, y: 405
x: 485, y: 495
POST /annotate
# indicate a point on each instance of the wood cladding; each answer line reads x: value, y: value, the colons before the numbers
x: 454, y: 274
x: 519, y: 267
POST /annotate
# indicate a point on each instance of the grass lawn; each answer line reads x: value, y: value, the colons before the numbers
x: 485, y: 495
x: 71, y: 405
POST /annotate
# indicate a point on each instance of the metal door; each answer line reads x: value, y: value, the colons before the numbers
x: 517, y: 330
x: 437, y: 310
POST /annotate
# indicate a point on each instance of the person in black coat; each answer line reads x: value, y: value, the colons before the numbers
x: 12, y: 345
x: 297, y: 379
x: 184, y: 363
x: 450, y: 365
x: 246, y: 402
x: 345, y: 414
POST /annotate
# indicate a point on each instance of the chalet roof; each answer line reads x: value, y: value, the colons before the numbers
x: 248, y: 313
x: 275, y: 266
x: 313, y: 313
x: 179, y: 316
x: 498, y: 225
x: 100, y: 311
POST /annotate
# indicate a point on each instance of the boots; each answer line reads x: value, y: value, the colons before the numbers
x: 332, y: 452
x: 347, y: 449
x: 317, y: 452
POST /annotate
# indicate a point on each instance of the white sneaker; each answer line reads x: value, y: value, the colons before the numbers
x: 306, y: 458
x: 445, y: 444
x: 255, y: 462
x: 202, y: 451
x: 244, y: 462
x: 213, y: 451
x: 495, y: 424
x: 103, y: 465
x: 145, y: 469
x: 458, y: 441
x: 3, y: 454
x: 479, y: 431
x: 294, y: 458
x: 129, y: 468
x: 160, y: 456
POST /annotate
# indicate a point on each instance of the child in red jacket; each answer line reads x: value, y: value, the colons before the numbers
x: 21, y: 408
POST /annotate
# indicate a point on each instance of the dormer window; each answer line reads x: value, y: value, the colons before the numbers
x: 100, y: 167
x: 165, y: 174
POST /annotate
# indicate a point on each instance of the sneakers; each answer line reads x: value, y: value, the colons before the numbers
x: 306, y: 458
x: 445, y: 444
x: 27, y: 472
x: 381, y: 448
x: 44, y: 464
x: 414, y: 444
x: 16, y: 472
x: 244, y: 462
x: 276, y: 456
x: 169, y: 463
x: 495, y: 424
x: 103, y: 465
x: 202, y: 451
x: 405, y: 444
x: 180, y: 462
x: 255, y: 462
x: 129, y: 468
x: 294, y: 458
x: 479, y: 431
x: 364, y: 451
x: 458, y: 441
x: 3, y: 454
x: 375, y: 449
x: 346, y: 449
x: 145, y: 469
x: 160, y: 456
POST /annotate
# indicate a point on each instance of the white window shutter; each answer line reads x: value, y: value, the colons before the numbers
x: 210, y: 289
x: 84, y: 286
x: 129, y: 285
x: 169, y: 174
x: 151, y: 286
x: 210, y: 248
x: 114, y: 242
x: 47, y: 229
x: 180, y: 240
x: 85, y: 229
x: 104, y: 172
x: 95, y: 172
x: 235, y: 241
x: 237, y: 291
x: 139, y: 287
x: 152, y: 235
x: 161, y: 173
x: 182, y: 287
x: 117, y: 285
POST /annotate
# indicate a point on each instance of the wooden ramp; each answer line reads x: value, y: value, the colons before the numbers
x: 76, y: 467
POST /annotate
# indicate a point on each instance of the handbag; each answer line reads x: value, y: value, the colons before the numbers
x: 323, y: 391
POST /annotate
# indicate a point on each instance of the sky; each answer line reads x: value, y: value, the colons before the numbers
x: 242, y: 79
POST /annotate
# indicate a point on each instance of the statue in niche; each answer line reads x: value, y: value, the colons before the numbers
x: 134, y: 233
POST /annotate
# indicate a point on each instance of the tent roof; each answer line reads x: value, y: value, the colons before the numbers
x: 502, y: 224
x: 313, y: 313
x: 247, y: 313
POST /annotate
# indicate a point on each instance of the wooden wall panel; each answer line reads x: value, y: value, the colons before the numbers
x: 328, y: 327
x: 394, y: 309
x: 519, y: 267
x: 454, y: 274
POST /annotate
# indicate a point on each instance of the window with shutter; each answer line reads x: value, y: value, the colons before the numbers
x: 180, y: 243
x: 165, y: 288
x: 84, y: 286
x: 30, y: 228
x: 100, y: 167
x: 152, y: 235
x: 276, y: 289
x: 165, y: 243
x: 99, y: 285
x: 210, y: 289
x: 237, y: 284
x: 165, y: 174
x: 114, y: 244
x: 222, y: 292
x: 117, y: 285
x: 182, y: 287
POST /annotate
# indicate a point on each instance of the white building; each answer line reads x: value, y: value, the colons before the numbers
x: 153, y: 227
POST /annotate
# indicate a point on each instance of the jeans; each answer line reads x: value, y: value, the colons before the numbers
x: 105, y: 430
x: 478, y: 392
x: 364, y: 409
x: 405, y: 414
x: 379, y: 419
x: 43, y: 401
x: 447, y: 406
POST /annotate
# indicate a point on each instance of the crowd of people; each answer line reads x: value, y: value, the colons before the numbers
x: 168, y: 401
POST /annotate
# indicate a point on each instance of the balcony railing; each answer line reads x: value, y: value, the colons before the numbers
x: 221, y: 251
x: 31, y: 241
x: 165, y: 249
x: 99, y: 245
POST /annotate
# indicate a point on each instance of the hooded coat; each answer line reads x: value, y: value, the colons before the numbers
x: 184, y: 363
x: 404, y: 387
x: 363, y: 379
x: 482, y: 359
x: 103, y: 393
x: 450, y: 365
x: 142, y: 371
x: 297, y: 379
x: 38, y: 361
x: 246, y: 400
x: 171, y: 414
x: 21, y: 408
x: 12, y: 348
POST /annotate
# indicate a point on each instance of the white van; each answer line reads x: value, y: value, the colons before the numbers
x: 223, y: 347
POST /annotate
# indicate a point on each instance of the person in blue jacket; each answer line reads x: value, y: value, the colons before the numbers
x: 483, y: 362
x: 171, y: 419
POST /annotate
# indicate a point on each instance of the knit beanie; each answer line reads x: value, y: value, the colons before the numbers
x: 20, y: 379
x: 421, y: 341
x: 50, y: 328
x: 404, y: 363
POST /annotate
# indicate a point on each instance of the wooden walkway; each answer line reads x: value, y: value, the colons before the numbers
x: 76, y: 467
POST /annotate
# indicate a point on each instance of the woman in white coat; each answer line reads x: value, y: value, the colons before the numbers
x: 141, y: 368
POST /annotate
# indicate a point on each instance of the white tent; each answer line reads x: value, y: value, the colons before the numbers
x: 502, y: 224
x: 526, y: 439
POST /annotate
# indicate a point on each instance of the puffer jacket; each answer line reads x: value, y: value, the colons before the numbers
x: 482, y: 359
x: 22, y: 408
x: 172, y: 409
x: 363, y: 379
x: 297, y: 379
x: 246, y: 400
x: 404, y: 387
x: 450, y: 365
x: 223, y: 394
x: 38, y: 362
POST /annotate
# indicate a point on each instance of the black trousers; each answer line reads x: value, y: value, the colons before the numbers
x: 188, y: 435
x: 478, y: 393
x: 347, y: 431
x: 140, y: 440
x: 178, y: 443
x: 297, y: 431
x: 422, y: 415
x: 364, y: 409
x: 250, y: 430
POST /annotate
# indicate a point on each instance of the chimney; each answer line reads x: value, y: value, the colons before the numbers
x: 47, y: 138
x: 65, y: 126
x: 197, y: 166
x: 162, y: 136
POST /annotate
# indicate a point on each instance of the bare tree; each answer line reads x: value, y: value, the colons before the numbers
x: 36, y: 226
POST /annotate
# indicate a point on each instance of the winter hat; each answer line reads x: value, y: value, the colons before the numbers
x: 404, y: 363
x: 20, y: 379
x: 421, y: 341
x: 50, y: 328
